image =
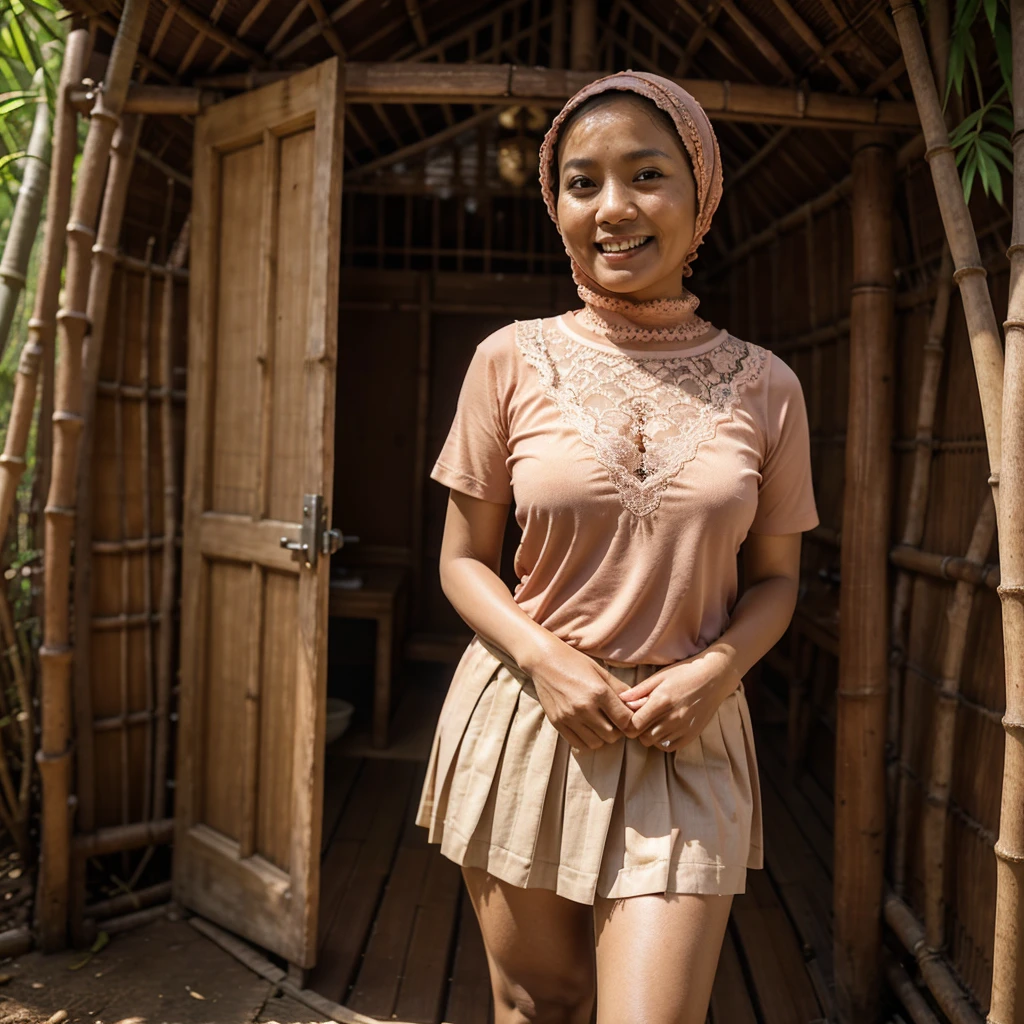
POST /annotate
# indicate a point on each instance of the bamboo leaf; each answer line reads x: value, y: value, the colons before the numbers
x: 997, y: 155
x: 1003, y: 118
x: 991, y: 6
x: 970, y: 169
x: 984, y: 170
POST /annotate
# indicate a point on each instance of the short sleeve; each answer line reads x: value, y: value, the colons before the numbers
x: 475, y: 456
x: 785, y: 497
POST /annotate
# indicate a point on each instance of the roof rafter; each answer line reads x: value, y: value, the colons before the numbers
x: 757, y: 37
x: 812, y: 42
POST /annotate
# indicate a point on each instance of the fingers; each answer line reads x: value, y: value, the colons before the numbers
x: 587, y: 736
x: 644, y: 689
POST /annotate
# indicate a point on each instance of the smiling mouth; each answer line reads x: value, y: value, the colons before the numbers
x: 623, y: 244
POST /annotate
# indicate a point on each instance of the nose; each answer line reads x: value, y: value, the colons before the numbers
x: 616, y: 202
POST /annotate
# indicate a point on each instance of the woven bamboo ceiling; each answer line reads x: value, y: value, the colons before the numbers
x: 846, y: 47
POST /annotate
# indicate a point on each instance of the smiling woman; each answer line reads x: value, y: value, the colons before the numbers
x: 594, y: 763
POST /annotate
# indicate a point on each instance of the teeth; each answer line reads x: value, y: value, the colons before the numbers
x: 623, y: 245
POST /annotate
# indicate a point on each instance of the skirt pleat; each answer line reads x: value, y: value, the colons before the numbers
x: 505, y: 793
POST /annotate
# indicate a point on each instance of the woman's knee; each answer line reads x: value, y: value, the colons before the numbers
x: 555, y: 997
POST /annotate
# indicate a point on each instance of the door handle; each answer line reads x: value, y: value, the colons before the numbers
x: 315, y: 538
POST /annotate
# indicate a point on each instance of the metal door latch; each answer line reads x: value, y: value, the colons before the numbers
x: 315, y: 538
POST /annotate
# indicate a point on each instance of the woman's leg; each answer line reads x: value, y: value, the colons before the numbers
x: 657, y: 956
x: 540, y: 948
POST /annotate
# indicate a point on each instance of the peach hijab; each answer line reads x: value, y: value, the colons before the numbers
x: 701, y: 144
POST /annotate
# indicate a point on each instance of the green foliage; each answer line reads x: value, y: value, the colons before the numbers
x: 982, y: 140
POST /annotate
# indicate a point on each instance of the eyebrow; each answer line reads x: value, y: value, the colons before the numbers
x: 636, y: 154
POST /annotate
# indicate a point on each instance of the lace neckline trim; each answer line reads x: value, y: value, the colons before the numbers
x: 644, y: 419
x: 566, y: 324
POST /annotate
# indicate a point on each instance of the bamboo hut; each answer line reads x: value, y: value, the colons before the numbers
x: 290, y: 226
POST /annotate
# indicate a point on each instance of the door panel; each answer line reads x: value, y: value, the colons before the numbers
x: 260, y: 432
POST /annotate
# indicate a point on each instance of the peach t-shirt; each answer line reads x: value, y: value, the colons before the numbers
x: 636, y: 476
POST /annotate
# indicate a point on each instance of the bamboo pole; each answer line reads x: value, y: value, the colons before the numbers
x: 38, y: 349
x: 27, y: 209
x: 951, y: 998
x: 963, y: 242
x: 104, y: 255
x: 936, y: 807
x: 56, y: 651
x: 1007, y: 1000
x: 863, y: 640
x: 913, y: 531
x: 168, y: 569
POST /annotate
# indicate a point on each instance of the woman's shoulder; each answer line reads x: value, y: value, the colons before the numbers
x: 775, y: 372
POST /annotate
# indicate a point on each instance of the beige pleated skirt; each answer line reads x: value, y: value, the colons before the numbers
x: 504, y: 792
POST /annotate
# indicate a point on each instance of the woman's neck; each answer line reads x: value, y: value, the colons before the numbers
x: 644, y: 323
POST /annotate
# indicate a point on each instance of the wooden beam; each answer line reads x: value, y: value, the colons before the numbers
x: 511, y: 84
x: 862, y: 694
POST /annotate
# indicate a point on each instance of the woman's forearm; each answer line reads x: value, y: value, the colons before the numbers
x: 483, y: 601
x: 759, y: 620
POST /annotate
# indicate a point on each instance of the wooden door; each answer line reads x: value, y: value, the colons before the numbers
x: 260, y: 437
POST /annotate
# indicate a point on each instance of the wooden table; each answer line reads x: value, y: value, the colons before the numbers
x: 382, y: 598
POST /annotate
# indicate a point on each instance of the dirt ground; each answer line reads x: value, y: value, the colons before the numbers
x: 162, y: 973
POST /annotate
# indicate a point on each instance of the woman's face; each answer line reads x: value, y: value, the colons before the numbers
x: 627, y: 201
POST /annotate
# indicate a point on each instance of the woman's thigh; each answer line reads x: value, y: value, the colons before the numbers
x: 657, y: 956
x: 540, y: 949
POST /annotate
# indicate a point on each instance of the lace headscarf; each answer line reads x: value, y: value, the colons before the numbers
x: 698, y: 137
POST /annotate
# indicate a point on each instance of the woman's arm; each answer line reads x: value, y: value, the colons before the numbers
x: 578, y: 695
x: 675, y: 703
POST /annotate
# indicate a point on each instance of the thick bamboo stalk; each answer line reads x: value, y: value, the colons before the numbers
x: 907, y: 992
x: 104, y: 256
x: 945, y: 567
x: 118, y: 838
x: 28, y: 207
x: 1007, y: 1000
x: 168, y: 570
x: 936, y: 807
x: 56, y: 652
x: 863, y: 641
x: 913, y: 531
x: 38, y: 349
x: 952, y: 1000
x: 963, y: 242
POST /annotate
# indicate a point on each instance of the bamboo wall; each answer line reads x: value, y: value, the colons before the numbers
x: 793, y: 294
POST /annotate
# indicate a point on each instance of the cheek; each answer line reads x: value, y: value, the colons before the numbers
x: 576, y: 228
x: 674, y: 215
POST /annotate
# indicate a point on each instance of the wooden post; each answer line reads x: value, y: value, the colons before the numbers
x: 557, y: 58
x: 1007, y: 1000
x: 583, y: 41
x: 54, y: 755
x: 863, y: 639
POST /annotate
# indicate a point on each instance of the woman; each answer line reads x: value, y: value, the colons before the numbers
x: 593, y: 769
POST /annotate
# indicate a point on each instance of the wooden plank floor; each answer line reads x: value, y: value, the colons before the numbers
x: 398, y: 937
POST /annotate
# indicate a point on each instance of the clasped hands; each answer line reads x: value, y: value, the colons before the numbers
x: 590, y: 707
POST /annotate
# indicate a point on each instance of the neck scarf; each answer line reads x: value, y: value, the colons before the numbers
x: 649, y: 320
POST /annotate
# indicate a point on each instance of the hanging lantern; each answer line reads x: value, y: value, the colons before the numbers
x: 518, y: 155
